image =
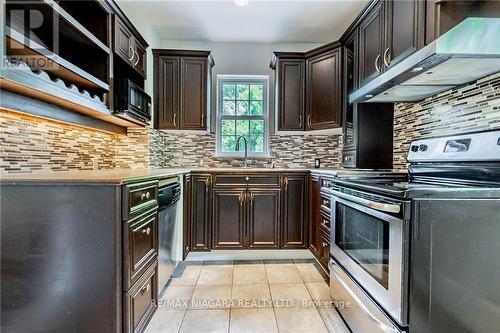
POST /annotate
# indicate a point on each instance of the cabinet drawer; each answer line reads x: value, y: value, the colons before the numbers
x: 140, y: 244
x: 140, y: 301
x: 325, y: 220
x: 349, y: 158
x: 326, y: 182
x: 139, y: 197
x: 247, y: 179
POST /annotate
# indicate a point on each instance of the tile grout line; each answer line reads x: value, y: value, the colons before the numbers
x: 185, y: 312
x: 272, y: 301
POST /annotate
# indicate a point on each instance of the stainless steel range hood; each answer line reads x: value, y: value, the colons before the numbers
x: 466, y: 53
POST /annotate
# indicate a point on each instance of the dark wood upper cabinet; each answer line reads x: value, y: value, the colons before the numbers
x: 182, y: 89
x: 228, y: 218
x: 129, y: 47
x: 314, y: 214
x: 193, y: 108
x: 390, y: 32
x: 371, y: 43
x: 263, y: 218
x: 350, y: 84
x: 404, y: 30
x: 294, y: 210
x: 324, y: 90
x: 201, y: 221
x: 290, y: 91
x: 166, y: 103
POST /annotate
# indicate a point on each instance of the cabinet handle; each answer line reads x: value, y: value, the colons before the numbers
x: 146, y: 231
x: 300, y: 120
x: 376, y: 64
x: 145, y: 288
x: 175, y: 116
x: 131, y: 51
x: 202, y: 118
x: 286, y: 183
x: 206, y: 184
x: 387, y: 58
x: 148, y: 195
x: 324, y: 244
x: 309, y: 120
x: 240, y: 199
x: 137, y: 61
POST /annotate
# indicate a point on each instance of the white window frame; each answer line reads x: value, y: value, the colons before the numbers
x: 238, y: 79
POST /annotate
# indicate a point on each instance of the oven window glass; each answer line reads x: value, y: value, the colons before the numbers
x: 365, y: 239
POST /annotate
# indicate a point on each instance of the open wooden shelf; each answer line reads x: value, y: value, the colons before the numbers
x: 68, y: 19
x: 16, y: 45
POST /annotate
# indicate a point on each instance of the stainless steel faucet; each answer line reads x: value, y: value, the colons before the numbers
x: 246, y: 148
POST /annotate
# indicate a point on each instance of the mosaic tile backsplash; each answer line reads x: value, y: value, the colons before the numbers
x: 29, y: 144
x: 288, y: 151
x: 472, y: 107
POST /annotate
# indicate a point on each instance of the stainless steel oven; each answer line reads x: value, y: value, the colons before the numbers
x: 369, y: 240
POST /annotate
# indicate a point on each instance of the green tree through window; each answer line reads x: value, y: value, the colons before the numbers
x: 242, y: 111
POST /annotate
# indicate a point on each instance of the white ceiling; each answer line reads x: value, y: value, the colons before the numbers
x: 261, y: 21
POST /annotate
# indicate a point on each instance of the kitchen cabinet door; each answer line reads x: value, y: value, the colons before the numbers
x: 290, y: 92
x: 371, y: 38
x: 404, y: 30
x: 123, y: 41
x: 193, y: 91
x: 187, y: 196
x: 228, y: 218
x: 324, y: 91
x: 263, y: 218
x: 314, y: 214
x: 324, y: 250
x: 166, y: 92
x: 294, y: 222
x: 200, y: 235
x: 140, y: 58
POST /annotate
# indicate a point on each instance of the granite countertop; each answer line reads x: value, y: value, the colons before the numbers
x: 123, y: 176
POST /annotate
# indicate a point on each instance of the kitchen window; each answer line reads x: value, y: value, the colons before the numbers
x: 242, y: 110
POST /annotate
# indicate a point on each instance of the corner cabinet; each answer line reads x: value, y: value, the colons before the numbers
x: 182, y: 81
x: 324, y: 90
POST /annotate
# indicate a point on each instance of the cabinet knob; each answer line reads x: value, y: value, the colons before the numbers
x: 143, y: 196
x: 148, y: 195
x: 324, y: 244
x: 146, y: 231
x: 247, y: 178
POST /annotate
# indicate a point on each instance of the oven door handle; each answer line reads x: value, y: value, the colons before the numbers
x: 383, y: 207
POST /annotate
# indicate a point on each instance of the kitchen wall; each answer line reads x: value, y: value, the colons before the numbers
x: 473, y: 107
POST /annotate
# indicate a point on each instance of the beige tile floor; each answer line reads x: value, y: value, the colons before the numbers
x: 240, y: 297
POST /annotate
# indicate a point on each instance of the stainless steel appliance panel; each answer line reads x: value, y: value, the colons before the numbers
x: 358, y: 310
x: 371, y: 245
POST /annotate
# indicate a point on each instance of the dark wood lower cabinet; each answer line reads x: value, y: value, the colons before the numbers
x: 187, y: 196
x: 314, y: 214
x: 324, y: 254
x: 263, y: 218
x: 200, y: 203
x: 228, y: 218
x: 139, y: 301
x: 294, y: 208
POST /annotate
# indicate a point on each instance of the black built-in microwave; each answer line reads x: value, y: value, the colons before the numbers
x: 132, y: 102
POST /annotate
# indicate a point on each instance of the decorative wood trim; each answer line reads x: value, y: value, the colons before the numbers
x: 17, y: 103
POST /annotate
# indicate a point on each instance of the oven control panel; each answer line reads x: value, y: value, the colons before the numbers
x: 481, y: 146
